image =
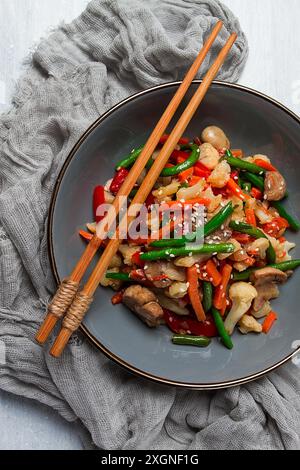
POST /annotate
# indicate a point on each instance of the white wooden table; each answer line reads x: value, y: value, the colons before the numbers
x: 273, y: 67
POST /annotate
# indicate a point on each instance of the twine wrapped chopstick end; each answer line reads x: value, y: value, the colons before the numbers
x: 56, y: 309
x: 71, y: 322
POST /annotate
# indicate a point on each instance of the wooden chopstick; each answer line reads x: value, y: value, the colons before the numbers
x: 83, y: 300
x: 91, y: 249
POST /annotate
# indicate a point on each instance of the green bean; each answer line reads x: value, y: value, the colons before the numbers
x: 285, y: 266
x: 226, y: 339
x: 198, y: 341
x: 247, y: 186
x: 257, y: 181
x: 255, y: 233
x: 118, y: 276
x: 218, y: 220
x: 187, y: 251
x: 243, y: 165
x: 130, y: 159
x: 293, y: 222
x: 177, y: 169
x: 207, y: 296
x: 172, y: 171
x: 212, y: 226
x: 246, y: 228
x: 133, y: 193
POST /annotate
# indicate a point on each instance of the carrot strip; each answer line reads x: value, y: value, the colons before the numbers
x: 266, y: 165
x: 269, y: 322
x: 224, y: 307
x: 202, y: 201
x: 117, y: 298
x: 192, y: 277
x: 250, y: 216
x: 236, y: 190
x: 238, y: 153
x: 220, y: 291
x: 86, y: 235
x: 185, y: 175
x: 213, y: 274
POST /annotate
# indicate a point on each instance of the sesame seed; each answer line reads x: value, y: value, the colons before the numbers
x: 191, y: 254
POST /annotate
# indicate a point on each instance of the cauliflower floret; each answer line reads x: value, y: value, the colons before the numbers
x: 242, y: 294
x: 238, y: 214
x: 192, y: 192
x: 248, y: 159
x: 287, y: 247
x: 215, y: 201
x: 281, y: 249
x: 248, y: 324
x: 262, y: 214
x: 209, y: 156
x: 220, y: 176
x: 114, y: 284
x: 165, y: 191
x: 127, y: 252
x: 177, y: 290
x: 258, y: 248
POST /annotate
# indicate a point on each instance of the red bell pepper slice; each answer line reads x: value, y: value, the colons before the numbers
x: 136, y: 259
x: 118, y: 180
x: 188, y: 325
x: 98, y: 200
x: 275, y: 228
x: 182, y: 141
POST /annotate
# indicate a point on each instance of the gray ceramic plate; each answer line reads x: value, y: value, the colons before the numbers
x: 253, y: 122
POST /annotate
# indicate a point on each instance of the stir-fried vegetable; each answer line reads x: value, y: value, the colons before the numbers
x: 286, y: 266
x: 269, y: 322
x: 201, y: 290
x: 189, y: 251
x: 255, y: 233
x: 207, y: 296
x: 185, y: 340
x: 193, y: 290
x: 212, y: 226
x: 293, y: 223
x: 257, y: 181
x: 243, y: 165
x: 226, y: 340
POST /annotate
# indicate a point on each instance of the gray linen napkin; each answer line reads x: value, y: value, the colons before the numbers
x: 112, y: 50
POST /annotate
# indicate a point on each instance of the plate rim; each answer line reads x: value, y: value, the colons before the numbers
x: 121, y: 362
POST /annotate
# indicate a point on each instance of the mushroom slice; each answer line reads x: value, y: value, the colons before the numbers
x: 275, y: 186
x: 215, y: 136
x: 268, y: 275
x: 265, y: 281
